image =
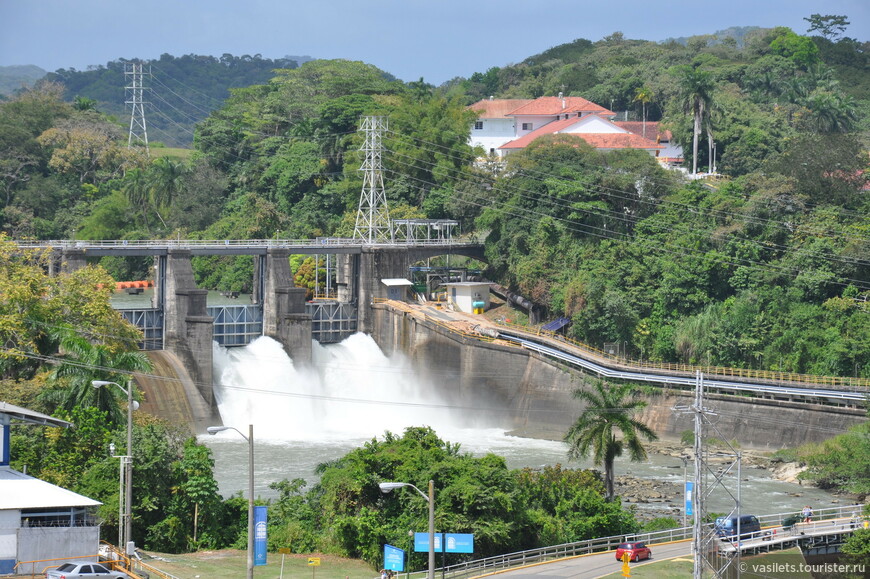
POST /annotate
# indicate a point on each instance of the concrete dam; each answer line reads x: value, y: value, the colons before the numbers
x: 492, y: 384
x: 531, y: 394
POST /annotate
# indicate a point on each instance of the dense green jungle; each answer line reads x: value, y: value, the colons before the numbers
x: 761, y: 264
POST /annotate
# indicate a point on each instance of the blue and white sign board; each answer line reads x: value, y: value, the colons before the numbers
x: 259, y: 535
x: 421, y: 542
x: 394, y: 558
x: 689, y: 488
x: 459, y: 543
x: 445, y: 543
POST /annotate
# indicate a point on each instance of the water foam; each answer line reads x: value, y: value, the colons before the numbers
x: 351, y: 391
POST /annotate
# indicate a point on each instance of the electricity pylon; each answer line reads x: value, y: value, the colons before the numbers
x: 134, y: 91
x: 372, y: 217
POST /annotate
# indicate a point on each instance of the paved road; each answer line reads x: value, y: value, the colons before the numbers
x: 591, y: 566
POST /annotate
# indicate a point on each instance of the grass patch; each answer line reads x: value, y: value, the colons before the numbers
x: 177, y: 154
x: 232, y: 564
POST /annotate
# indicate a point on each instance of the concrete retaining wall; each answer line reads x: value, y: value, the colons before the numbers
x: 522, y: 391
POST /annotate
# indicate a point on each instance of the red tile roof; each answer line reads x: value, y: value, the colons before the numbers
x: 497, y: 108
x: 547, y: 129
x: 557, y: 106
x: 618, y: 141
x: 597, y: 140
x: 652, y: 129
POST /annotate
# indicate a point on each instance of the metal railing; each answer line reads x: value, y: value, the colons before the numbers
x: 841, y: 382
x: 218, y: 243
x: 603, y: 544
x: 856, y: 385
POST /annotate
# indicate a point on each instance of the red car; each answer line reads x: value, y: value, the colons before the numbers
x: 636, y: 551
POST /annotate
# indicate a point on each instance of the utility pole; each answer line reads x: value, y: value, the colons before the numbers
x: 134, y: 91
x: 706, y: 546
x: 372, y: 217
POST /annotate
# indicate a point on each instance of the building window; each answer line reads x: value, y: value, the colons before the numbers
x: 478, y: 125
x: 527, y: 126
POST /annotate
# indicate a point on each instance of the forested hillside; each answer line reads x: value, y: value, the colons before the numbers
x: 13, y: 78
x: 766, y: 266
x: 178, y: 92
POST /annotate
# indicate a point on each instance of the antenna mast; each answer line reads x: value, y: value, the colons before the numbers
x: 138, y: 132
x: 373, y: 216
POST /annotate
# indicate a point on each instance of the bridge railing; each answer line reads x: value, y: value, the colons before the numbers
x: 215, y: 243
x: 603, y: 544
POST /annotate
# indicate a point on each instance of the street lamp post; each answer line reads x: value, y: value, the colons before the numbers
x: 388, y: 486
x: 250, y: 439
x: 125, y: 530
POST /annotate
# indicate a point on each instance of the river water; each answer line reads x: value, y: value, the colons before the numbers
x: 354, y: 393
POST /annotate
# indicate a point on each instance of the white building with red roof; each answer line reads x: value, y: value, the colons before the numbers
x: 504, y: 126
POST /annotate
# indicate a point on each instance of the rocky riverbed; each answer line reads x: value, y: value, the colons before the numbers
x: 660, y: 498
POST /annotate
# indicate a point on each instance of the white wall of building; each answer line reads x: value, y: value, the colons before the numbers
x: 68, y: 543
x: 593, y: 124
x: 464, y: 294
x: 535, y: 122
x: 493, y: 134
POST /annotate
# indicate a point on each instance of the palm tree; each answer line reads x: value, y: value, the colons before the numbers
x: 609, y: 411
x: 84, y: 361
x: 831, y: 112
x: 167, y: 179
x: 135, y: 188
x: 643, y: 95
x: 696, y: 89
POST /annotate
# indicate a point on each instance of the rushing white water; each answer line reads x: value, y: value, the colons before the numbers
x: 353, y: 393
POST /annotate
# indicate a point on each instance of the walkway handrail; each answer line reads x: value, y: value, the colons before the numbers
x: 856, y: 385
x: 603, y: 544
x: 217, y: 243
x: 843, y: 382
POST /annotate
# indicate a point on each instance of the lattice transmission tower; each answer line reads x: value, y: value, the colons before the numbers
x: 134, y: 93
x: 373, y: 216
x: 714, y: 471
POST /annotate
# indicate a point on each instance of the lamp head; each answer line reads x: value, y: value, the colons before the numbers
x: 215, y: 429
x: 388, y: 486
x: 98, y: 383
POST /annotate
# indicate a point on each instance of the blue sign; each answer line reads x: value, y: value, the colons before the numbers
x: 259, y: 535
x: 458, y: 543
x: 445, y: 543
x: 394, y: 558
x: 689, y: 487
x: 421, y: 542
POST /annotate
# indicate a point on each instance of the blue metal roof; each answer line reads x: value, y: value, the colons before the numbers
x: 556, y: 325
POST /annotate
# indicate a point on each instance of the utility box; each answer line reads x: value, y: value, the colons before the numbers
x: 397, y: 288
x: 471, y: 297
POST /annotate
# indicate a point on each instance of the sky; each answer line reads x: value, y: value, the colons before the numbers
x: 410, y: 39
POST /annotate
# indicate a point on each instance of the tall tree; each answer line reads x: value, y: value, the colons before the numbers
x: 696, y: 92
x: 607, y: 426
x: 828, y: 26
x: 167, y: 180
x: 83, y: 362
x: 644, y: 96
